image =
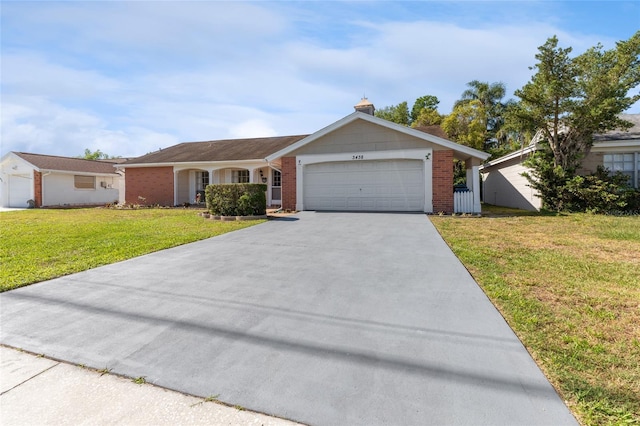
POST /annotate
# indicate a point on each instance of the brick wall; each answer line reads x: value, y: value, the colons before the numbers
x: 289, y: 183
x: 37, y: 188
x: 155, y: 184
x: 443, y: 181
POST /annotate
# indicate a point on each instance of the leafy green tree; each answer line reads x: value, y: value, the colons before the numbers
x: 397, y: 113
x: 467, y: 124
x: 95, y: 155
x: 567, y: 101
x: 423, y: 113
x: 490, y: 95
x: 427, y: 102
x: 427, y: 117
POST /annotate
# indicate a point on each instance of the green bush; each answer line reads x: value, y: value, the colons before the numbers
x: 600, y: 192
x: 563, y: 190
x: 236, y: 199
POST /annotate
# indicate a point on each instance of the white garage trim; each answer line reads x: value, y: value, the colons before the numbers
x: 424, y: 155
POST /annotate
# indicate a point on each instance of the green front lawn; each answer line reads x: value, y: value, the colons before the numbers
x: 569, y: 286
x: 39, y: 245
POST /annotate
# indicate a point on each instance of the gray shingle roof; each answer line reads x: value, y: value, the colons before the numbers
x: 220, y: 150
x: 616, y: 135
x: 68, y: 164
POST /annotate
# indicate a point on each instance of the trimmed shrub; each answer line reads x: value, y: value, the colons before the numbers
x: 600, y: 192
x: 236, y: 199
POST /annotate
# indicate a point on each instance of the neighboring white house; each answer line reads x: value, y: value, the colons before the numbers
x: 35, y: 180
x: 619, y: 151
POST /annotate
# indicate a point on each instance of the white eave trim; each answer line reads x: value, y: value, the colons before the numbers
x: 384, y: 123
x: 515, y: 154
x: 601, y: 146
x: 192, y: 163
x: 620, y: 143
x: 78, y: 172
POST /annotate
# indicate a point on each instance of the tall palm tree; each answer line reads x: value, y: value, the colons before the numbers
x: 490, y: 96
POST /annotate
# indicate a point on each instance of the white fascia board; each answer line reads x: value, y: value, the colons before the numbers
x: 471, y: 152
x: 508, y: 157
x: 384, y: 123
x: 320, y: 133
x: 15, y: 157
x: 605, y: 145
x: 195, y: 164
x: 72, y: 172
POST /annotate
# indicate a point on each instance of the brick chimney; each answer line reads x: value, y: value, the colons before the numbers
x: 365, y: 106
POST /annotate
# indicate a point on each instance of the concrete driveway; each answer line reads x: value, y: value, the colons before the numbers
x: 322, y: 318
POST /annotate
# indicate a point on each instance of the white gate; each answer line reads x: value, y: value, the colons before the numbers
x: 463, y: 202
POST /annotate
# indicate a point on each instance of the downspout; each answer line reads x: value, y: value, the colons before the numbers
x: 42, y: 186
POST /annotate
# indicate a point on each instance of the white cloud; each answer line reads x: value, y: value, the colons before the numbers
x: 252, y: 129
x: 131, y: 77
x: 34, y: 124
x: 30, y: 74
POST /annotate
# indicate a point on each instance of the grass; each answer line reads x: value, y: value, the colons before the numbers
x: 569, y: 286
x: 141, y: 380
x: 38, y: 245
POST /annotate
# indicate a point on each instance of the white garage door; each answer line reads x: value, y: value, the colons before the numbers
x: 19, y: 190
x: 385, y: 185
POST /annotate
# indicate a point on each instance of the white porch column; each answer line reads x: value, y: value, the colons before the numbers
x: 251, y: 172
x: 473, y: 183
x: 428, y: 182
x: 299, y: 186
x: 175, y: 187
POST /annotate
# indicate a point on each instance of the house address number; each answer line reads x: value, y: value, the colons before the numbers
x: 357, y: 157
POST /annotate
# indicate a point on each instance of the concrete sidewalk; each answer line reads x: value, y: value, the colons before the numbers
x: 40, y: 391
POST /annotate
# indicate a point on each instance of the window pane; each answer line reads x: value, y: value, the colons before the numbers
x: 84, y: 182
x: 608, y: 158
x: 240, y: 176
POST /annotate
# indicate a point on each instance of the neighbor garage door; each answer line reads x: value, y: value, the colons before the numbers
x: 19, y: 190
x: 384, y: 185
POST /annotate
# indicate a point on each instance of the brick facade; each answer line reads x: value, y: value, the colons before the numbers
x: 289, y: 183
x: 154, y: 184
x: 443, y: 181
x: 37, y: 188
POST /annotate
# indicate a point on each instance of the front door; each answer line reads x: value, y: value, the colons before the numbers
x: 276, y: 187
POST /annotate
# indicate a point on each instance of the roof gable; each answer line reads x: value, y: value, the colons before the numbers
x: 217, y: 150
x: 67, y: 164
x: 461, y: 150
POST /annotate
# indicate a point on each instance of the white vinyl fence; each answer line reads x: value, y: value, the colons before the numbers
x: 463, y: 202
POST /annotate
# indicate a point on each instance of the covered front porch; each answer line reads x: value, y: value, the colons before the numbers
x: 190, y: 181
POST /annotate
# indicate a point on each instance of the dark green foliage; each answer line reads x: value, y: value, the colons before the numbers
x: 602, y: 193
x: 428, y: 102
x: 548, y: 180
x: 397, y: 113
x: 237, y: 199
x: 561, y: 190
x: 569, y: 99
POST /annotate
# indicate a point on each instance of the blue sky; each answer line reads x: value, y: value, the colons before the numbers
x: 132, y: 77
